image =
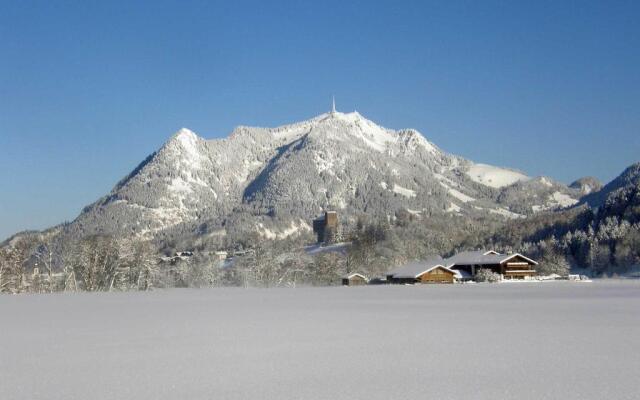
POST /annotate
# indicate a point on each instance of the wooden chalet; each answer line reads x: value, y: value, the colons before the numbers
x: 354, y: 279
x: 509, y: 266
x: 432, y: 270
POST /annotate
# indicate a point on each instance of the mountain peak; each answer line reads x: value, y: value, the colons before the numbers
x: 339, y: 160
x: 184, y: 135
x: 349, y: 117
x: 629, y: 177
x: 586, y: 185
x: 353, y: 124
x: 184, y: 144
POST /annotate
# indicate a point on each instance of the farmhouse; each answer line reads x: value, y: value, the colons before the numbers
x: 354, y: 279
x: 432, y: 270
x: 509, y: 266
x: 463, y: 267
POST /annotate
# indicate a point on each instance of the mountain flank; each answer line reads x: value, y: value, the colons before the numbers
x: 274, y: 181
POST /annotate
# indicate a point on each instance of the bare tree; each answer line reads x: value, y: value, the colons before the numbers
x: 16, y: 257
x: 70, y: 281
x: 46, y: 257
x: 4, y: 271
x: 145, y: 265
x: 95, y: 262
x: 292, y: 269
x: 326, y: 269
x: 553, y: 263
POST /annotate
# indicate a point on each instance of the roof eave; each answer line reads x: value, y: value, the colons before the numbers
x: 432, y: 268
x: 519, y: 255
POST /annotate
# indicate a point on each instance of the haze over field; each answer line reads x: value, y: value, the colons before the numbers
x: 525, y: 341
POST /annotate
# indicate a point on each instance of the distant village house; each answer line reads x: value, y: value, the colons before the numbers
x: 354, y: 279
x: 432, y: 270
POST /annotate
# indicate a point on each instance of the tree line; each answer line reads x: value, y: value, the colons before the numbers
x: 601, y: 242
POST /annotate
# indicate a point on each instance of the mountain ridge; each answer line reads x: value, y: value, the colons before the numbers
x: 268, y: 180
x: 347, y: 157
x: 629, y: 177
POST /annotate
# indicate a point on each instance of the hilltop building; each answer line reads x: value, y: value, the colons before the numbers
x: 327, y: 228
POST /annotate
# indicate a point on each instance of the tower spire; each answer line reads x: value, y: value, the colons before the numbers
x: 333, y: 104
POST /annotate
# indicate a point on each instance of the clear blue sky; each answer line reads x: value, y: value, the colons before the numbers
x: 88, y: 89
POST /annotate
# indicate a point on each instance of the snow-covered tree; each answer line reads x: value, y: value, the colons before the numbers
x: 486, y: 275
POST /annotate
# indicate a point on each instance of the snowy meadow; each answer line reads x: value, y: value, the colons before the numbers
x: 556, y: 340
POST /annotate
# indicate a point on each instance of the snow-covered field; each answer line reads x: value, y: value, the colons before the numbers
x: 520, y: 341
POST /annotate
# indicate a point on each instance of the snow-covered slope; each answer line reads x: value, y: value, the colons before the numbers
x: 586, y: 185
x: 494, y: 176
x: 629, y: 178
x: 268, y: 180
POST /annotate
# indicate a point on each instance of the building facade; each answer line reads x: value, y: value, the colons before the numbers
x: 354, y: 279
x: 327, y: 228
x: 431, y: 270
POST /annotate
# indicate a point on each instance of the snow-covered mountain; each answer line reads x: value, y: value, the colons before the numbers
x: 274, y: 180
x: 586, y: 185
x: 628, y: 179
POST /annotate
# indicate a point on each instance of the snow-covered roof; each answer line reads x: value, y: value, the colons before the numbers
x: 353, y: 275
x: 416, y: 268
x: 482, y: 257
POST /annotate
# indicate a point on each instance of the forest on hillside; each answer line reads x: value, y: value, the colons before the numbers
x: 600, y: 241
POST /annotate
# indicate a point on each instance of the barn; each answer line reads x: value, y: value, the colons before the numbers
x: 354, y: 279
x: 431, y: 270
